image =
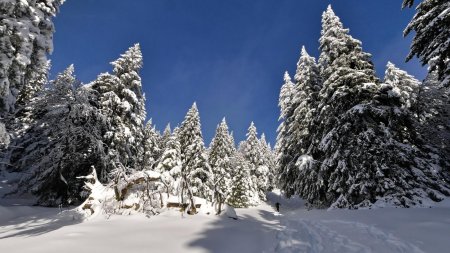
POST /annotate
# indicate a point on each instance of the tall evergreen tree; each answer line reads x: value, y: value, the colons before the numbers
x: 347, y: 72
x: 283, y: 156
x: 127, y: 68
x: 298, y: 128
x: 152, y: 150
x: 221, y: 151
x: 62, y: 140
x: 364, y: 149
x: 165, y: 137
x: 122, y: 101
x: 308, y: 85
x: 433, y: 110
x: 196, y: 171
x: 345, y: 68
x: 170, y: 165
x: 35, y: 84
x: 269, y: 162
x: 431, y: 42
x: 25, y: 40
x: 267, y: 152
x: 251, y: 150
x: 241, y: 192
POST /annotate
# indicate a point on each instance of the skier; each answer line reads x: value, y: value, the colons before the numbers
x: 277, y: 206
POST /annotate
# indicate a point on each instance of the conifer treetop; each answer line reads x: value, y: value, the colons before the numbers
x: 342, y: 56
x: 167, y: 130
x: 304, y: 52
x: 251, y: 131
x: 287, y: 79
x: 129, y: 61
x: 65, y: 80
x: 306, y: 66
x: 404, y: 85
x: 286, y: 94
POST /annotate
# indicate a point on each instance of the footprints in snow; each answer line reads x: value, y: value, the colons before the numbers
x: 308, y: 236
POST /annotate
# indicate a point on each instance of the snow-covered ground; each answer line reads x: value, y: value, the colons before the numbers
x: 259, y: 229
x: 44, y: 230
x: 378, y: 230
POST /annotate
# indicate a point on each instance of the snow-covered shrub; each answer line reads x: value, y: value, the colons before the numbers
x: 138, y: 192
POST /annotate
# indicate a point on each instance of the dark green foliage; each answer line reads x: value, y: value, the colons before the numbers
x: 431, y: 42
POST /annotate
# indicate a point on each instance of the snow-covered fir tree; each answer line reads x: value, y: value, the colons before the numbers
x: 61, y: 141
x: 26, y: 38
x: 364, y: 149
x: 23, y: 114
x: 347, y: 72
x: 220, y: 153
x: 165, y: 138
x: 308, y: 83
x: 434, y: 119
x: 152, y: 150
x: 297, y: 125
x: 345, y: 67
x: 127, y: 68
x: 283, y: 156
x: 286, y: 96
x: 242, y: 193
x: 196, y: 171
x: 35, y: 83
x: 405, y: 86
x: 431, y: 42
x: 251, y: 150
x: 269, y: 161
x: 170, y: 166
x: 122, y: 101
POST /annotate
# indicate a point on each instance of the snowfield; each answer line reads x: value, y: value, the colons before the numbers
x: 259, y: 229
x: 377, y: 230
x: 50, y: 231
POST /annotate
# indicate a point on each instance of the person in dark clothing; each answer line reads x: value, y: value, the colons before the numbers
x: 277, y: 206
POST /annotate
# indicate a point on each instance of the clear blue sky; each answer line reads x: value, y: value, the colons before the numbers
x: 227, y: 55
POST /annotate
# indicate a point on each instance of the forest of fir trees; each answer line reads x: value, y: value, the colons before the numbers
x: 346, y: 139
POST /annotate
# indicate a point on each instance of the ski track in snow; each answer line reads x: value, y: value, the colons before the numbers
x: 326, y: 233
x: 315, y: 237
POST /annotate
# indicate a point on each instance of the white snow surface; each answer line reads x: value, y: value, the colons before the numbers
x: 257, y: 229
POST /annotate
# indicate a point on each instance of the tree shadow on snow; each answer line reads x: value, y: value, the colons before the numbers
x: 246, y: 234
x: 44, y: 220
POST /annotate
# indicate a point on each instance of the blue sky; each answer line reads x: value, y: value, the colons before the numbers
x: 228, y: 56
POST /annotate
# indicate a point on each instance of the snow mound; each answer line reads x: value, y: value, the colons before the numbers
x: 136, y: 193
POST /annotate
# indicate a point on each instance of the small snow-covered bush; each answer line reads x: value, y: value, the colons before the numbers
x: 138, y: 192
